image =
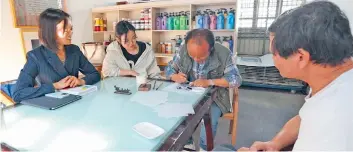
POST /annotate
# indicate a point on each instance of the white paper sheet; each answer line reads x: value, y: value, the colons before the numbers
x: 171, y: 110
x: 174, y: 88
x: 150, y: 98
x: 263, y: 61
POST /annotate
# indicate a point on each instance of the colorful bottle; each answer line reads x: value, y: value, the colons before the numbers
x: 231, y: 19
x: 187, y: 14
x: 206, y: 20
x: 218, y: 39
x: 163, y: 48
x: 174, y: 45
x: 213, y: 20
x: 177, y: 22
x: 159, y: 22
x: 225, y: 42
x: 182, y: 21
x: 199, y: 20
x: 225, y: 14
x: 220, y: 20
x: 168, y: 48
x: 231, y: 44
x: 165, y: 21
x: 170, y: 22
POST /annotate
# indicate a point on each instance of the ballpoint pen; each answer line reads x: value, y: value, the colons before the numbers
x: 154, y: 85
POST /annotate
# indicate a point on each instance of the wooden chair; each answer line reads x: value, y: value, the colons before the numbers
x: 4, y: 98
x: 233, y: 116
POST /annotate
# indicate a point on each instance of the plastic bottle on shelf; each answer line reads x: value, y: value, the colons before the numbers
x: 174, y: 46
x: 225, y: 42
x: 104, y: 24
x: 218, y: 39
x: 225, y: 14
x: 163, y: 47
x: 177, y: 21
x: 137, y: 23
x: 159, y: 45
x: 142, y: 24
x: 220, y: 20
x: 187, y: 14
x: 183, y: 21
x: 96, y: 24
x: 199, y: 20
x: 170, y: 22
x: 231, y: 19
x: 165, y: 21
x: 159, y: 22
x: 213, y: 20
x: 178, y: 44
x: 169, y: 48
x: 101, y: 24
x: 231, y: 44
x: 206, y: 20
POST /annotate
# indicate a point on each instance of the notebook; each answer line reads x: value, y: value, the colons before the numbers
x: 81, y: 90
x: 51, y: 103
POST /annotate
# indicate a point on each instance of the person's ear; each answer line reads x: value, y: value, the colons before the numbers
x: 303, y: 57
x: 118, y: 39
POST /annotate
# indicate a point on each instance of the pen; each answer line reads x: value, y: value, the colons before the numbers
x: 154, y: 85
x: 159, y: 86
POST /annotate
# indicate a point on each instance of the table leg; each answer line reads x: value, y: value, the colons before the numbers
x: 208, y: 126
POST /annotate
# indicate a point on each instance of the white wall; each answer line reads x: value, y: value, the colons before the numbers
x: 11, y: 54
x: 346, y: 7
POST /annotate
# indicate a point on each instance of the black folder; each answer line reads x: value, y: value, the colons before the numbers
x: 51, y: 103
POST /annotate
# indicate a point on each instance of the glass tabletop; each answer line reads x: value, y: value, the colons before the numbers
x: 99, y: 121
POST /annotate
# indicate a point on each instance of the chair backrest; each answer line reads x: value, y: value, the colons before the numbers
x: 6, y: 92
x: 233, y: 97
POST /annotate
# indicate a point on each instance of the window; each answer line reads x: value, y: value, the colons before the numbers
x: 261, y: 13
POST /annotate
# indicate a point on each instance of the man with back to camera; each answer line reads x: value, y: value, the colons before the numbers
x: 314, y: 43
x: 205, y: 63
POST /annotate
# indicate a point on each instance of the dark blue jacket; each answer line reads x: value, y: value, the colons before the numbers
x: 43, y: 68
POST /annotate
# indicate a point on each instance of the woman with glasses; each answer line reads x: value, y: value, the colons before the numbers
x: 128, y: 57
x: 56, y: 63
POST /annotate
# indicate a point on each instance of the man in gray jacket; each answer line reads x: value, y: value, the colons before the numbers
x: 204, y: 63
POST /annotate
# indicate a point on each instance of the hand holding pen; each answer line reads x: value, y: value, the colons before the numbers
x: 179, y: 78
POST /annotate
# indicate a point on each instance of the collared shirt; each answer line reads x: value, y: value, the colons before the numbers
x: 231, y: 73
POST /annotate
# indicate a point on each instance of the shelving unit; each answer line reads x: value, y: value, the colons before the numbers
x: 154, y: 37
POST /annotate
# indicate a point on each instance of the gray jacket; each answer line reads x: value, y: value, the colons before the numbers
x: 218, y: 62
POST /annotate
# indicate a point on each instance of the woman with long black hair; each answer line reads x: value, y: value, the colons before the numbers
x: 56, y: 63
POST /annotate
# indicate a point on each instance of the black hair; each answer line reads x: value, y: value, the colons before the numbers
x: 320, y: 28
x: 48, y: 20
x: 201, y: 34
x: 123, y: 27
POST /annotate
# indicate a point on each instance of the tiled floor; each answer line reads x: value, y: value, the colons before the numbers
x: 262, y: 113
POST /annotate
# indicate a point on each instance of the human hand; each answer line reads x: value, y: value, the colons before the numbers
x: 179, y: 78
x: 133, y: 73
x: 74, y: 82
x: 200, y: 83
x: 63, y: 83
x: 262, y: 146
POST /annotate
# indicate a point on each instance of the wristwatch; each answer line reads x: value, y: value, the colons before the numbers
x: 211, y: 82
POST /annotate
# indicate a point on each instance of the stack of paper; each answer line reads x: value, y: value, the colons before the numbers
x: 171, y: 110
x: 81, y: 90
x: 150, y: 98
x: 178, y: 88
